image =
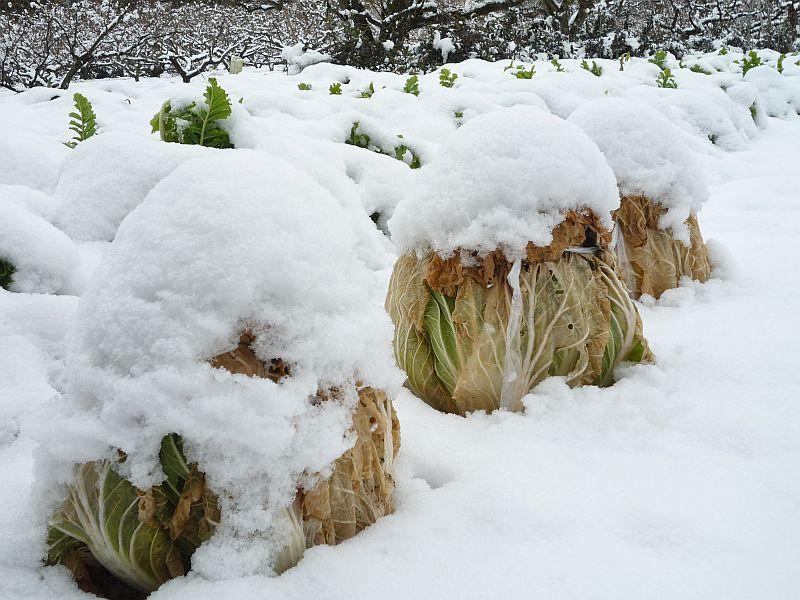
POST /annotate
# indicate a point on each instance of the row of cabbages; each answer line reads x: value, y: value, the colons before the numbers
x: 230, y: 385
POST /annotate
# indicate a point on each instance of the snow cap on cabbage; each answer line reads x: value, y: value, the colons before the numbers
x: 502, y: 180
x: 647, y: 156
x: 239, y: 241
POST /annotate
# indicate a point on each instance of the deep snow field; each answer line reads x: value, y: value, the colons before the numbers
x: 678, y: 482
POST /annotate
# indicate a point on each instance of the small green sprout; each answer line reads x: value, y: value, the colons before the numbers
x: 404, y: 154
x: 367, y: 93
x: 699, y: 69
x: 666, y: 80
x: 401, y: 152
x: 196, y: 124
x: 335, y: 89
x: 659, y: 59
x: 446, y: 78
x: 83, y: 122
x: 749, y: 61
x: 357, y: 138
x: 557, y: 65
x: 521, y: 73
x: 594, y: 69
x: 781, y: 58
x: 412, y: 85
x: 304, y: 87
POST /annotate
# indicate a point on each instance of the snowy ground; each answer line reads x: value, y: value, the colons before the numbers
x: 680, y: 481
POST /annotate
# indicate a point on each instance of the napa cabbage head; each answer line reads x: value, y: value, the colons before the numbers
x: 474, y: 346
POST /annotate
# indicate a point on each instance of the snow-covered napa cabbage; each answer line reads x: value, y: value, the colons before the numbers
x: 647, y: 156
x: 658, y: 237
x: 504, y: 179
x: 239, y: 242
x: 505, y: 277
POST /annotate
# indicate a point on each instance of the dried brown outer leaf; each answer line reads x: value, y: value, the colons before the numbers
x: 656, y: 260
x: 151, y: 510
x: 192, y: 494
x: 75, y: 560
x: 359, y: 491
x: 579, y: 228
x: 242, y: 359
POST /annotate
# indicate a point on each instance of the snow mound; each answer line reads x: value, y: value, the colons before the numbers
x: 35, y: 201
x: 32, y: 332
x: 503, y: 180
x: 646, y: 154
x: 780, y: 95
x: 43, y: 256
x: 31, y: 160
x: 704, y: 112
x: 239, y: 241
x: 564, y: 92
x: 107, y: 176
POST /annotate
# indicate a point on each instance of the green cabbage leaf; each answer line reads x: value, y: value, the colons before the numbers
x: 197, y: 124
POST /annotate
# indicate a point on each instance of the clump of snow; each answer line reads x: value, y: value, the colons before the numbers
x: 43, y: 256
x: 444, y: 45
x: 503, y: 180
x: 298, y: 58
x: 240, y: 240
x: 31, y: 160
x: 647, y: 156
x: 746, y: 96
x: 362, y: 181
x: 107, y: 176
